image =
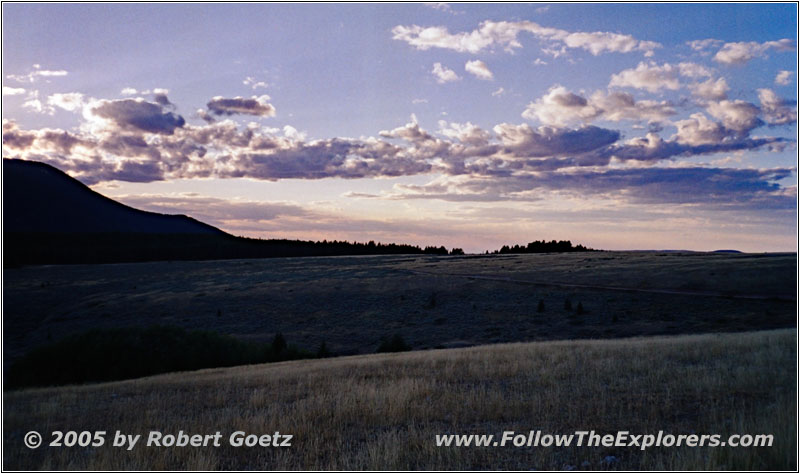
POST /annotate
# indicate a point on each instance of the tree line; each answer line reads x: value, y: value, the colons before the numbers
x: 542, y: 246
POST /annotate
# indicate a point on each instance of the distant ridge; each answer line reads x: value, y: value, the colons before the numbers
x: 51, y: 218
x: 40, y: 198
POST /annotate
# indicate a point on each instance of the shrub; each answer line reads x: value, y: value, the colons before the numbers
x: 101, y: 355
x: 393, y: 344
x: 323, y: 351
x: 278, y: 344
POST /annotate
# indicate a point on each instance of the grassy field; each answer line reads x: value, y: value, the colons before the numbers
x: 383, y: 411
x: 350, y: 303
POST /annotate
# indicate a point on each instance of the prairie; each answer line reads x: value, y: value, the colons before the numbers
x: 384, y: 411
x: 350, y: 303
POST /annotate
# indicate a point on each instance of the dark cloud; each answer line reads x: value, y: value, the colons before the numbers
x: 523, y: 141
x: 162, y: 100
x: 258, y: 106
x: 718, y: 188
x: 15, y: 138
x: 654, y: 148
x: 139, y: 115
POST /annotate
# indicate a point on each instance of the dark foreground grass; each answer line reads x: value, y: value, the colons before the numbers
x: 383, y: 411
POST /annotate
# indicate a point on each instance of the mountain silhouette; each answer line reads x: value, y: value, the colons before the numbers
x: 40, y: 198
x: 51, y: 218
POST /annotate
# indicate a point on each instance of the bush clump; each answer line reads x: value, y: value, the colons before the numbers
x: 393, y: 344
x: 101, y: 355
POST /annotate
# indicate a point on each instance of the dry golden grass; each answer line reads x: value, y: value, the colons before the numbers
x: 383, y: 411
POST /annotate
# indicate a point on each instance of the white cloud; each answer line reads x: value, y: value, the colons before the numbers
x: 784, y: 78
x: 34, y: 104
x: 503, y: 34
x: 742, y: 52
x: 293, y: 134
x: 699, y: 130
x: 736, y: 115
x: 775, y: 110
x: 464, y: 132
x: 36, y: 74
x: 539, y: 62
x: 648, y: 76
x: 479, y: 69
x: 443, y: 74
x: 694, y: 70
x: 560, y: 107
x: 500, y: 91
x: 254, y: 83
x: 129, y: 91
x: 443, y: 7
x: 72, y: 101
x: 13, y: 90
x: 603, y: 42
x: 419, y: 101
x: 702, y: 46
x: 711, y: 89
x: 618, y: 106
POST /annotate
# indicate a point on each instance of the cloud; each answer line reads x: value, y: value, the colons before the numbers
x: 254, y: 83
x: 736, y: 115
x: 72, y: 101
x: 775, y: 110
x: 539, y: 62
x: 700, y: 130
x: 465, y: 133
x: 136, y: 115
x: 603, y: 42
x: 694, y: 70
x: 524, y: 141
x: 258, y: 106
x: 618, y: 106
x: 648, y: 76
x: 14, y: 138
x: 443, y: 74
x: 784, y: 78
x: 160, y: 96
x: 128, y: 91
x: 33, y: 103
x: 742, y: 52
x: 139, y: 140
x: 500, y: 91
x: 702, y: 46
x: 708, y: 188
x: 711, y: 89
x: 13, y: 90
x: 503, y: 34
x: 37, y: 73
x: 479, y: 69
x: 442, y: 7
x: 560, y: 107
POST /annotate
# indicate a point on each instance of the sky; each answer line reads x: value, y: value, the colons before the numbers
x: 616, y: 126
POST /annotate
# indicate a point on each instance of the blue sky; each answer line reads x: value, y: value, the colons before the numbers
x: 614, y: 125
